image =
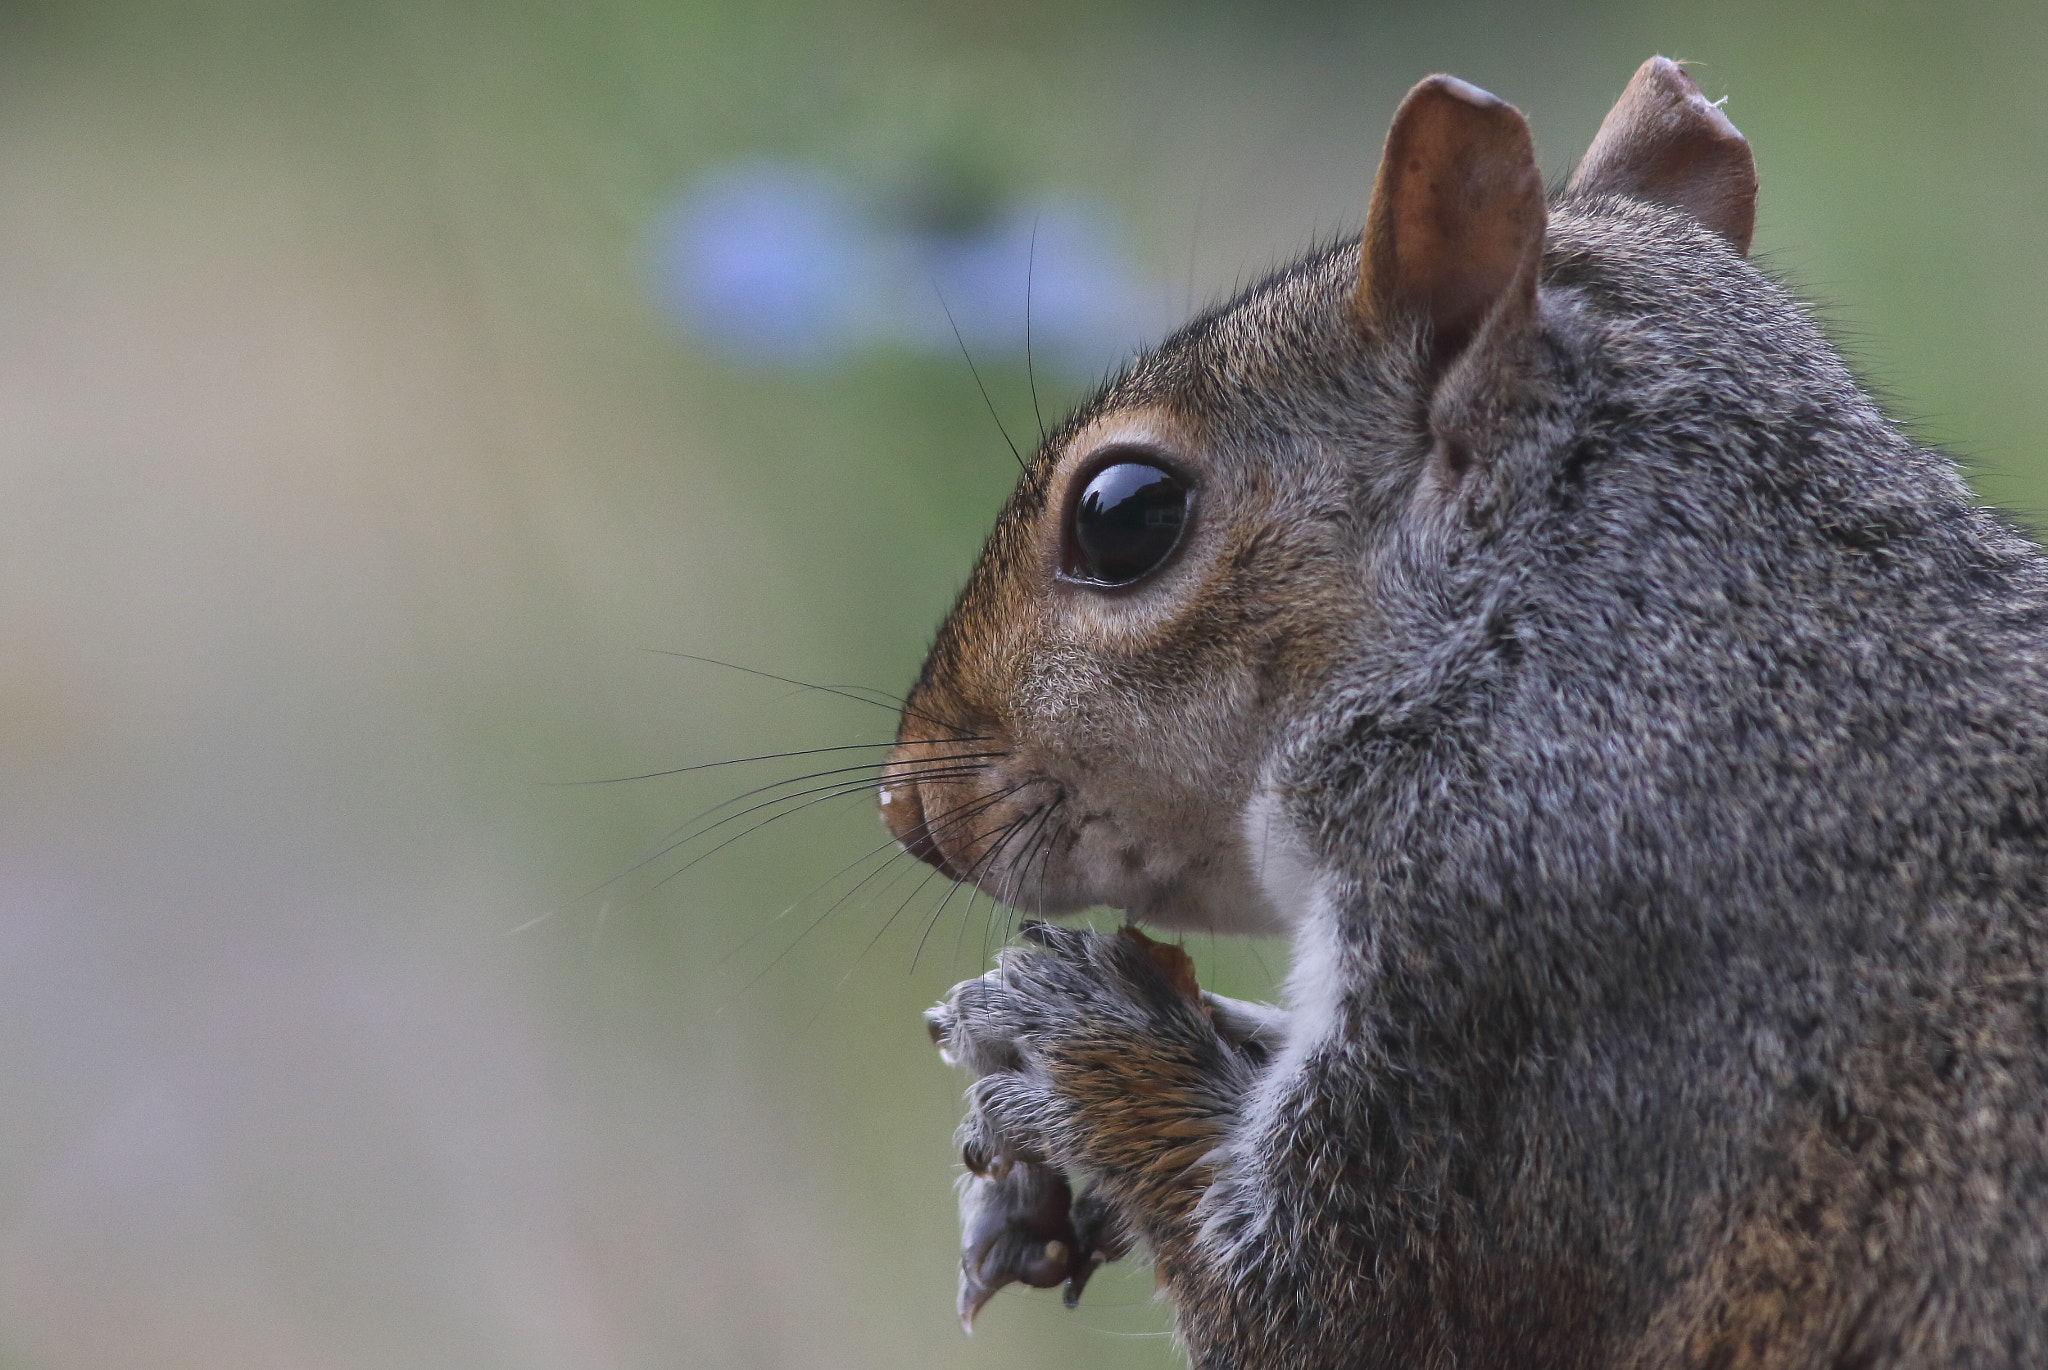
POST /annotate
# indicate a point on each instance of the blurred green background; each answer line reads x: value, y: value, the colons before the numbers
x: 354, y: 477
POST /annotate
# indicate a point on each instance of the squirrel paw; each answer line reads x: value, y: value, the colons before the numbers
x: 1097, y: 1053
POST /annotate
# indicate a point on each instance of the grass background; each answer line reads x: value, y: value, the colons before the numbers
x: 351, y: 484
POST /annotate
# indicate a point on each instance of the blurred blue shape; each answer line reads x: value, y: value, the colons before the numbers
x: 780, y: 263
x: 770, y: 261
x: 1053, y: 267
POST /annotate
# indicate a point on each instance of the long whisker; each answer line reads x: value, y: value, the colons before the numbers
x: 967, y: 809
x: 1030, y: 374
x: 967, y: 881
x: 895, y: 880
x: 953, y: 889
x: 985, y: 862
x: 1031, y: 850
x: 944, y: 823
x: 1038, y: 846
x: 958, y: 815
x: 899, y: 704
x: 980, y: 862
x: 929, y: 767
x: 973, y: 883
x: 1044, y: 840
x: 975, y: 372
x: 775, y: 756
x: 935, y: 768
x: 824, y: 792
x: 1006, y: 829
x: 796, y: 903
x: 669, y: 843
x: 1050, y: 841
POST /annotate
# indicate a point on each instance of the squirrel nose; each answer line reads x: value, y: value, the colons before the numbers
x: 903, y: 813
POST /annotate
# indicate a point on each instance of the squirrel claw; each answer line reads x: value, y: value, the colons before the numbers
x: 1017, y: 1228
x: 1100, y: 1237
x: 1021, y: 1224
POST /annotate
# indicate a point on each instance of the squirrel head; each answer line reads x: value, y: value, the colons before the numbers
x: 1193, y: 554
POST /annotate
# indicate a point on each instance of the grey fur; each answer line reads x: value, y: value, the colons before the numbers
x: 1678, y: 798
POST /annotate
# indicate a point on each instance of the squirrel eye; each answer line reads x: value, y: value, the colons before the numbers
x: 1126, y: 522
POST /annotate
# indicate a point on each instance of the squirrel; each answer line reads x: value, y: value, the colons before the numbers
x: 1644, y: 744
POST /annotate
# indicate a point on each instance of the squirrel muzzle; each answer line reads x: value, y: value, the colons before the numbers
x: 902, y: 808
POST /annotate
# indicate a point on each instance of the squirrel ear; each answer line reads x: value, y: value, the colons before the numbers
x: 1455, y: 233
x: 1665, y: 142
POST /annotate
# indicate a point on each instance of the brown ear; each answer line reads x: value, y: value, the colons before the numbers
x: 1665, y: 142
x: 1455, y: 233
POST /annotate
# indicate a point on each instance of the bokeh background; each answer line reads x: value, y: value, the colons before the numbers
x: 389, y: 388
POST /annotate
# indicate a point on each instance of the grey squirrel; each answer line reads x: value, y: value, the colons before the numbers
x: 1644, y: 744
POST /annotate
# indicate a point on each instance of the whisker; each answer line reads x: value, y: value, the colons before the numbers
x: 986, y: 861
x: 959, y: 815
x: 898, y: 704
x: 967, y: 809
x: 898, y: 877
x: 796, y: 903
x: 930, y: 768
x: 944, y: 900
x: 825, y: 792
x: 1030, y: 374
x: 1006, y: 829
x: 975, y: 372
x: 850, y: 892
x: 1258, y: 959
x: 935, y: 768
x: 1044, y: 840
x: 960, y: 932
x: 940, y: 768
x: 969, y: 880
x: 775, y: 756
x: 817, y: 795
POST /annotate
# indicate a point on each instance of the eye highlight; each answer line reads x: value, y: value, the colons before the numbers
x: 1125, y: 522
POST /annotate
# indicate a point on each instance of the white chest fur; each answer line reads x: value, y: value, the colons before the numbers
x: 1307, y: 898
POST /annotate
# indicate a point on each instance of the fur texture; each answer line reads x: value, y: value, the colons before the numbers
x: 1656, y: 743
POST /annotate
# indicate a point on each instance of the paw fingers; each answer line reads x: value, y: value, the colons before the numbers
x: 1009, y: 1114
x: 986, y: 1149
x: 971, y: 1031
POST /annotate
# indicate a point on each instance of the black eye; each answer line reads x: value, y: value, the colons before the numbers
x: 1127, y: 520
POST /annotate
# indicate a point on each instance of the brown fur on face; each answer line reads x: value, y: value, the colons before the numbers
x: 1131, y: 723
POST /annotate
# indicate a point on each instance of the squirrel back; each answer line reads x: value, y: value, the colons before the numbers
x: 1645, y: 743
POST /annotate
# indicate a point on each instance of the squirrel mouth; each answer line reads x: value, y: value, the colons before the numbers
x: 902, y: 809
